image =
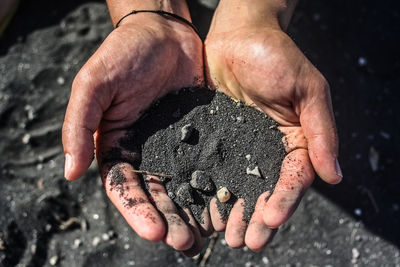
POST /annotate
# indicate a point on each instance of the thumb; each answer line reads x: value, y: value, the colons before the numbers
x: 82, y: 118
x: 319, y: 128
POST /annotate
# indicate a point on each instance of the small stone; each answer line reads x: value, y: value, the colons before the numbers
x: 96, y: 241
x: 60, y: 80
x: 253, y: 171
x: 171, y: 195
x: 265, y: 260
x: 201, y: 181
x: 48, y: 227
x: 105, y: 237
x: 53, y: 260
x: 362, y: 61
x: 240, y: 119
x: 355, y: 253
x: 373, y: 159
x: 223, y: 195
x: 358, y: 212
x: 185, y: 194
x: 248, y: 157
x: 186, y: 132
x: 384, y: 134
x: 77, y: 243
x: 212, y: 112
x: 26, y: 138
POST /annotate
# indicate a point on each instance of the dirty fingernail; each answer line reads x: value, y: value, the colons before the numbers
x: 68, y: 165
x: 338, y: 170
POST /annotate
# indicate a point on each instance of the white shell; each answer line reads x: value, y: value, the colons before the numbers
x: 223, y: 195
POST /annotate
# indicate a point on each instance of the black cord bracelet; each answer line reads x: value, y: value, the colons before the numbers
x: 162, y: 13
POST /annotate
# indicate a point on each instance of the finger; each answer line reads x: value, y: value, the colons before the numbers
x: 218, y: 223
x: 82, y: 118
x: 296, y: 176
x: 318, y: 123
x: 197, y: 244
x: 179, y: 235
x: 236, y: 226
x: 294, y: 138
x: 258, y: 234
x: 205, y: 225
x: 124, y: 190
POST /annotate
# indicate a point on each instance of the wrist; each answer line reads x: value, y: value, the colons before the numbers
x: 232, y: 14
x: 119, y: 8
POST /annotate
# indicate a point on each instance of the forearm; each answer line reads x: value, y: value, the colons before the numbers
x: 238, y: 13
x: 119, y: 8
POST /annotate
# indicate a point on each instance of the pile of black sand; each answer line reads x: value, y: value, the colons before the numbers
x: 205, y: 141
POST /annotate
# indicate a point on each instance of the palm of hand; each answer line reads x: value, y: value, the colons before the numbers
x: 132, y: 68
x: 264, y: 68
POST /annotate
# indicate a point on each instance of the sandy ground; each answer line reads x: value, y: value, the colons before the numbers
x: 47, y: 221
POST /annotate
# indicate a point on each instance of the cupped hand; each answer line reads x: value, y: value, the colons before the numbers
x: 146, y: 57
x: 262, y: 66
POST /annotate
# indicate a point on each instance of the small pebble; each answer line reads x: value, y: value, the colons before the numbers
x: 171, y: 195
x: 60, y: 80
x: 201, y: 181
x: 384, y: 134
x: 105, y: 237
x: 240, y: 119
x: 53, y: 260
x: 362, y: 61
x: 77, y: 243
x: 223, y: 195
x: 26, y: 138
x: 248, y: 157
x: 355, y: 253
x: 96, y: 241
x: 358, y: 212
x: 186, y: 132
x: 373, y: 159
x: 253, y: 171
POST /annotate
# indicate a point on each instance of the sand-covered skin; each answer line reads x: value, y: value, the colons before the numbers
x: 198, y: 132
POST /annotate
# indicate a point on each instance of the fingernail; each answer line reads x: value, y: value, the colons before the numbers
x: 338, y: 170
x: 67, y: 166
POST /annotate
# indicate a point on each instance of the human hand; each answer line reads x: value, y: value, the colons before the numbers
x: 146, y: 57
x: 249, y: 57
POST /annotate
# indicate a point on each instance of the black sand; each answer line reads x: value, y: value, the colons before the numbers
x: 207, y: 140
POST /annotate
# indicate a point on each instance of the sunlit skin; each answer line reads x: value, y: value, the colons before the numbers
x: 249, y: 57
